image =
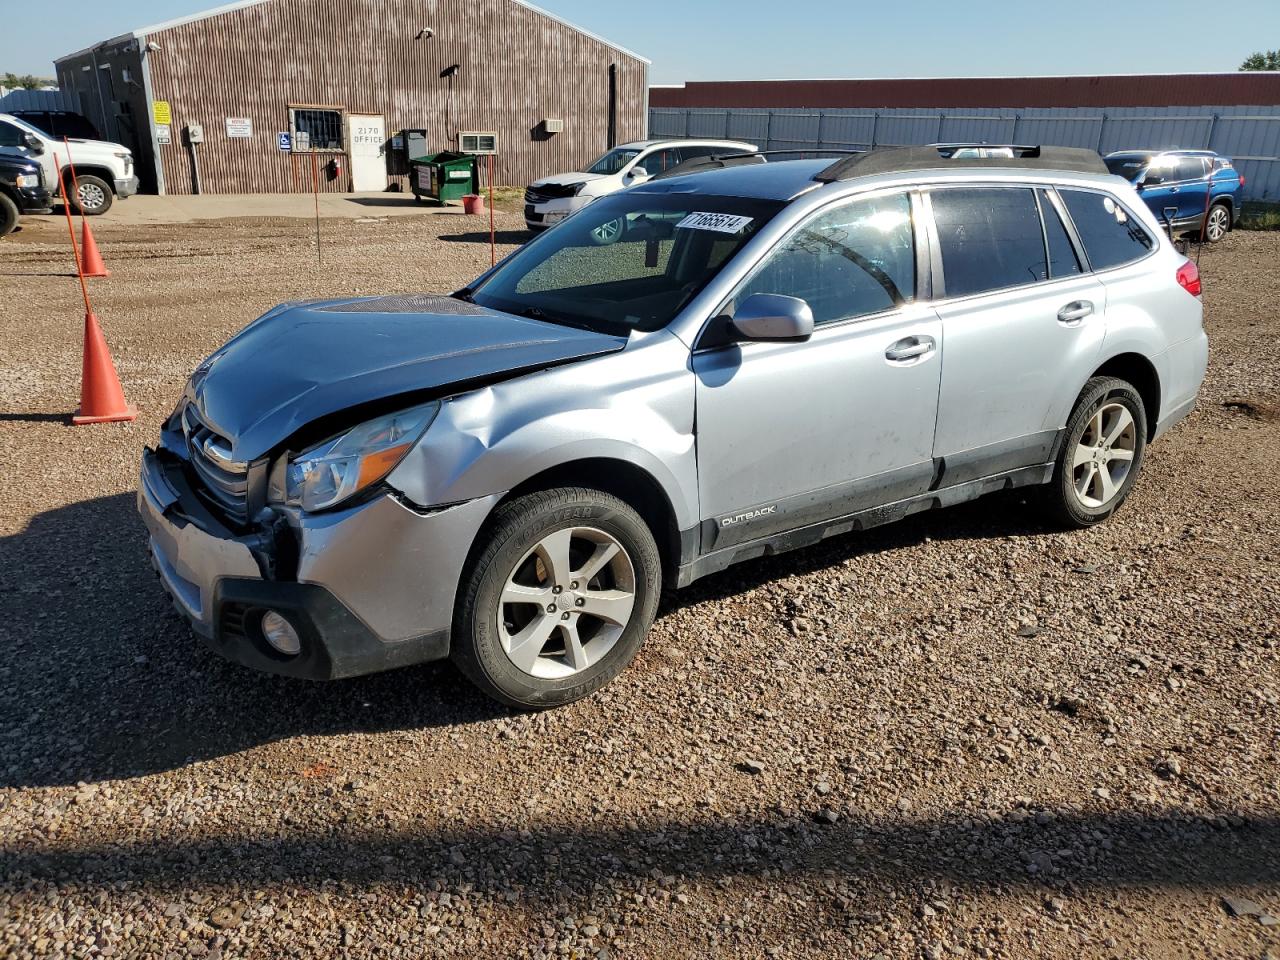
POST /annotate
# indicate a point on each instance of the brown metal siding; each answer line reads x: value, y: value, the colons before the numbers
x: 516, y: 68
x: 1235, y: 89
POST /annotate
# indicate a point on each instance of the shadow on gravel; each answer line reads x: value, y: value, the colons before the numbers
x: 101, y: 680
x: 996, y: 516
x: 516, y: 237
x: 1078, y: 854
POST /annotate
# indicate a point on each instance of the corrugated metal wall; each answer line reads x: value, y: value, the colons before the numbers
x: 1249, y: 134
x: 971, y: 93
x: 516, y: 67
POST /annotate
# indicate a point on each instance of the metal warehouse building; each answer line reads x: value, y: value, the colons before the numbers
x: 265, y: 85
x: 1236, y: 114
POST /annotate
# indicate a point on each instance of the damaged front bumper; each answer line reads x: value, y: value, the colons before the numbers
x: 373, y: 589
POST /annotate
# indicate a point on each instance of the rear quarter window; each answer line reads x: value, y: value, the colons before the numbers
x: 1112, y: 236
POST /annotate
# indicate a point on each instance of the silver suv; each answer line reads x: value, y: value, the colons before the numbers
x: 771, y: 354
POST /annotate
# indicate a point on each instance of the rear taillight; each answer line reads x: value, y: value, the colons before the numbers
x: 1189, y: 278
x: 1241, y: 179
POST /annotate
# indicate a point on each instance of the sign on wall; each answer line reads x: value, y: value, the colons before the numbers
x: 162, y: 112
x: 163, y: 133
x: 240, y: 127
x: 284, y: 141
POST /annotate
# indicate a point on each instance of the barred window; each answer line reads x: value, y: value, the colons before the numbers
x: 316, y: 129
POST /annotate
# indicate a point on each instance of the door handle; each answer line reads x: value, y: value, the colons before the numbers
x: 909, y: 348
x: 1074, y: 312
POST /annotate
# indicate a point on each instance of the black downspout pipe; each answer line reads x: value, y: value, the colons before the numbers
x: 613, y: 106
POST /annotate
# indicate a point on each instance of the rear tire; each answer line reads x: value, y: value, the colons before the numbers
x: 8, y: 215
x: 1218, y: 223
x: 1101, y: 455
x: 526, y: 629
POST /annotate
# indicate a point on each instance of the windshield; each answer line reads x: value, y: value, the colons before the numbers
x: 630, y: 261
x: 1128, y: 167
x: 613, y: 161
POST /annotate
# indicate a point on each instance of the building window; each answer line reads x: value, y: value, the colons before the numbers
x: 316, y: 129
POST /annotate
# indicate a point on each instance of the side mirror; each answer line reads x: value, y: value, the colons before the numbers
x: 1140, y: 185
x: 772, y: 316
x: 637, y: 174
x: 33, y: 143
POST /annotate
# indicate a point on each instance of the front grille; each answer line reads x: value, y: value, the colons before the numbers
x: 549, y: 191
x: 223, y: 483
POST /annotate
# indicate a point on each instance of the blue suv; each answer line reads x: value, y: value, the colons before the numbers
x: 1182, y: 186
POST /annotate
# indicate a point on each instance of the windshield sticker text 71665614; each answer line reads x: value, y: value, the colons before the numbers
x: 719, y: 222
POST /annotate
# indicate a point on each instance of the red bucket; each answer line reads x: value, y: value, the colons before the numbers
x: 473, y: 203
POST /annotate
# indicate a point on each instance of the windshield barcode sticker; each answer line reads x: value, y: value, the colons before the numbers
x: 719, y: 222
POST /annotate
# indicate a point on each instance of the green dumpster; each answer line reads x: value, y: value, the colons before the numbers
x: 443, y: 177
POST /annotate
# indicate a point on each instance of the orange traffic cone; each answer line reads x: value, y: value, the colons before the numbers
x: 90, y: 260
x: 101, y: 397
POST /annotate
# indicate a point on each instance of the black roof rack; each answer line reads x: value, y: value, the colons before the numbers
x: 900, y: 159
x: 721, y: 160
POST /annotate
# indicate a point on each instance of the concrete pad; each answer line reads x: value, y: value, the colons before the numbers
x: 344, y: 206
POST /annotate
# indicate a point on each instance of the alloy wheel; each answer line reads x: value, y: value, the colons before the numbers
x: 1219, y: 221
x: 566, y: 603
x: 1104, y: 455
x: 91, y: 196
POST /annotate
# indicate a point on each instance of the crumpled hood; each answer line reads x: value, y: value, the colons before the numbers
x: 301, y: 362
x: 567, y: 179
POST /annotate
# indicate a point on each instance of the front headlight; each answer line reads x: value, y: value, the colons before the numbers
x: 24, y: 180
x: 579, y: 187
x: 341, y: 467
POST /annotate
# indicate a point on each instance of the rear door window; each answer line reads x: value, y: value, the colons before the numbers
x: 1190, y: 168
x: 990, y: 239
x: 1111, y: 235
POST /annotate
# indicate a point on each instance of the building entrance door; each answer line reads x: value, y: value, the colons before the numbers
x: 367, y: 138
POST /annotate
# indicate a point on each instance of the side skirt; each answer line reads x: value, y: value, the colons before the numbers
x: 806, y: 536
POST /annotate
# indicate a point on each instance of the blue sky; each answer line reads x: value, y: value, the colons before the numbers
x: 758, y: 39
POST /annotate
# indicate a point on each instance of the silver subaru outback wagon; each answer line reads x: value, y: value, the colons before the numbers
x: 764, y: 355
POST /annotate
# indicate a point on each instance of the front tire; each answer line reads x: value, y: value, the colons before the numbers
x: 1106, y: 438
x: 560, y: 592
x: 8, y: 215
x: 94, y: 196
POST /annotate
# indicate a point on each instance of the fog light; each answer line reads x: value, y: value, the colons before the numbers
x: 281, y: 634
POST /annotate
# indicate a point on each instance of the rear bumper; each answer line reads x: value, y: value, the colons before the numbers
x: 1184, y: 365
x: 127, y: 187
x: 375, y: 584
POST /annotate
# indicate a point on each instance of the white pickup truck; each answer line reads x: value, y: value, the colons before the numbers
x: 104, y: 170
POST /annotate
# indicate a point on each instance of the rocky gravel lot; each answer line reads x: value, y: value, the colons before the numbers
x: 965, y: 735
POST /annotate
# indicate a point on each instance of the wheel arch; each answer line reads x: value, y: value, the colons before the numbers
x: 90, y: 170
x: 1139, y: 371
x: 627, y: 481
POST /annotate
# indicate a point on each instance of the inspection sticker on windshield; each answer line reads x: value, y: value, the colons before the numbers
x: 719, y: 222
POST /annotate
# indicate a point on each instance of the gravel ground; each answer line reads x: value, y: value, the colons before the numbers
x: 962, y: 735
